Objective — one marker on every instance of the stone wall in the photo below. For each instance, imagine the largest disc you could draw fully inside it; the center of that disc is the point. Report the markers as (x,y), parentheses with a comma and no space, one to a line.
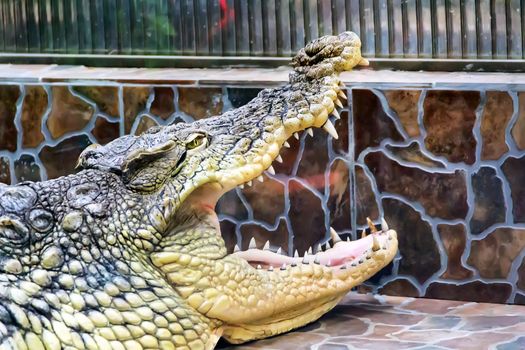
(445,167)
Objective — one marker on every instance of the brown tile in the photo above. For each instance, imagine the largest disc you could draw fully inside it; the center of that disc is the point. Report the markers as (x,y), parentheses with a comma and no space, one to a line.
(419,253)
(434,306)
(454,239)
(106,98)
(5,172)
(496,115)
(266,199)
(105,131)
(371,123)
(482,323)
(518,130)
(437,322)
(240,96)
(447,201)
(68,112)
(412,153)
(61,159)
(314,161)
(163,104)
(513,169)
(428,334)
(489,204)
(399,287)
(144,124)
(26,169)
(405,103)
(228,234)
(366,344)
(449,117)
(306,216)
(339,200)
(135,99)
(493,255)
(33,109)
(521,276)
(230,204)
(294,340)
(335,324)
(489,310)
(8,134)
(520,298)
(471,291)
(200,102)
(365,198)
(278,237)
(483,341)
(384,316)
(383,331)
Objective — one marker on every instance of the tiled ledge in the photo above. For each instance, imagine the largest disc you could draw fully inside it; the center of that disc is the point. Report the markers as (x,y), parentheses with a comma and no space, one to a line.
(366,322)
(253,76)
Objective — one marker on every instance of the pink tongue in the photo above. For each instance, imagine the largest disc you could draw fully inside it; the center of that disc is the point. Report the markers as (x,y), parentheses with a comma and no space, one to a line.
(341,253)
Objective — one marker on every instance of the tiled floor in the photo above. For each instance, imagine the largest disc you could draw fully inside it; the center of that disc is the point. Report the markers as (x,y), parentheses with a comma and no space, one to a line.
(383,322)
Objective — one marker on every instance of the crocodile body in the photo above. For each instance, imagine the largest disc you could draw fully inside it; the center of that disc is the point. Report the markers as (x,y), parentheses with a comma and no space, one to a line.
(127,253)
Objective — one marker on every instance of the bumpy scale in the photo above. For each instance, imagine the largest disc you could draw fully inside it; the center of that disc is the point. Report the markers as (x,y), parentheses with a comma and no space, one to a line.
(127,253)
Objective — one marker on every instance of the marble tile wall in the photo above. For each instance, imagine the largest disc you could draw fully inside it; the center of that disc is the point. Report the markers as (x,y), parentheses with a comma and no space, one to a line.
(446,168)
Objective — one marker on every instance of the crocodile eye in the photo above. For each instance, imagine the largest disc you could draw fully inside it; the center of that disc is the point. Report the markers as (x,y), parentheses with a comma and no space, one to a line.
(196,141)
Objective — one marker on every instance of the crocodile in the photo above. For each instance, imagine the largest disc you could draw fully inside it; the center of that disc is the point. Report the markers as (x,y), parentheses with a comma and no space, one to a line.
(127,252)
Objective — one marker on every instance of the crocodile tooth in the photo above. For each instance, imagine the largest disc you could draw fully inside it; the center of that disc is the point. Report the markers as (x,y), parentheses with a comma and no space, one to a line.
(270,268)
(296,254)
(371,225)
(279,251)
(294,264)
(249,183)
(317,260)
(279,159)
(336,114)
(329,128)
(343,267)
(296,135)
(266,245)
(363,233)
(241,186)
(384,225)
(338,103)
(252,244)
(375,243)
(305,258)
(342,85)
(319,248)
(236,249)
(260,178)
(310,132)
(283,267)
(271,170)
(259,267)
(328,246)
(310,250)
(342,94)
(329,263)
(286,144)
(348,238)
(335,237)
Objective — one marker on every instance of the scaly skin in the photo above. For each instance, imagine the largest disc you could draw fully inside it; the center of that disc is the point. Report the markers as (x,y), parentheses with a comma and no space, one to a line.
(127,253)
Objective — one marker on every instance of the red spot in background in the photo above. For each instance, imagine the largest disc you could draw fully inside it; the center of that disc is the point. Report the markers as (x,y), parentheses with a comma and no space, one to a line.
(227,14)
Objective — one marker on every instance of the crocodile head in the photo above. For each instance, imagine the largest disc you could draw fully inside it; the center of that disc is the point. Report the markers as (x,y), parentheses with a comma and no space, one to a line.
(146,203)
